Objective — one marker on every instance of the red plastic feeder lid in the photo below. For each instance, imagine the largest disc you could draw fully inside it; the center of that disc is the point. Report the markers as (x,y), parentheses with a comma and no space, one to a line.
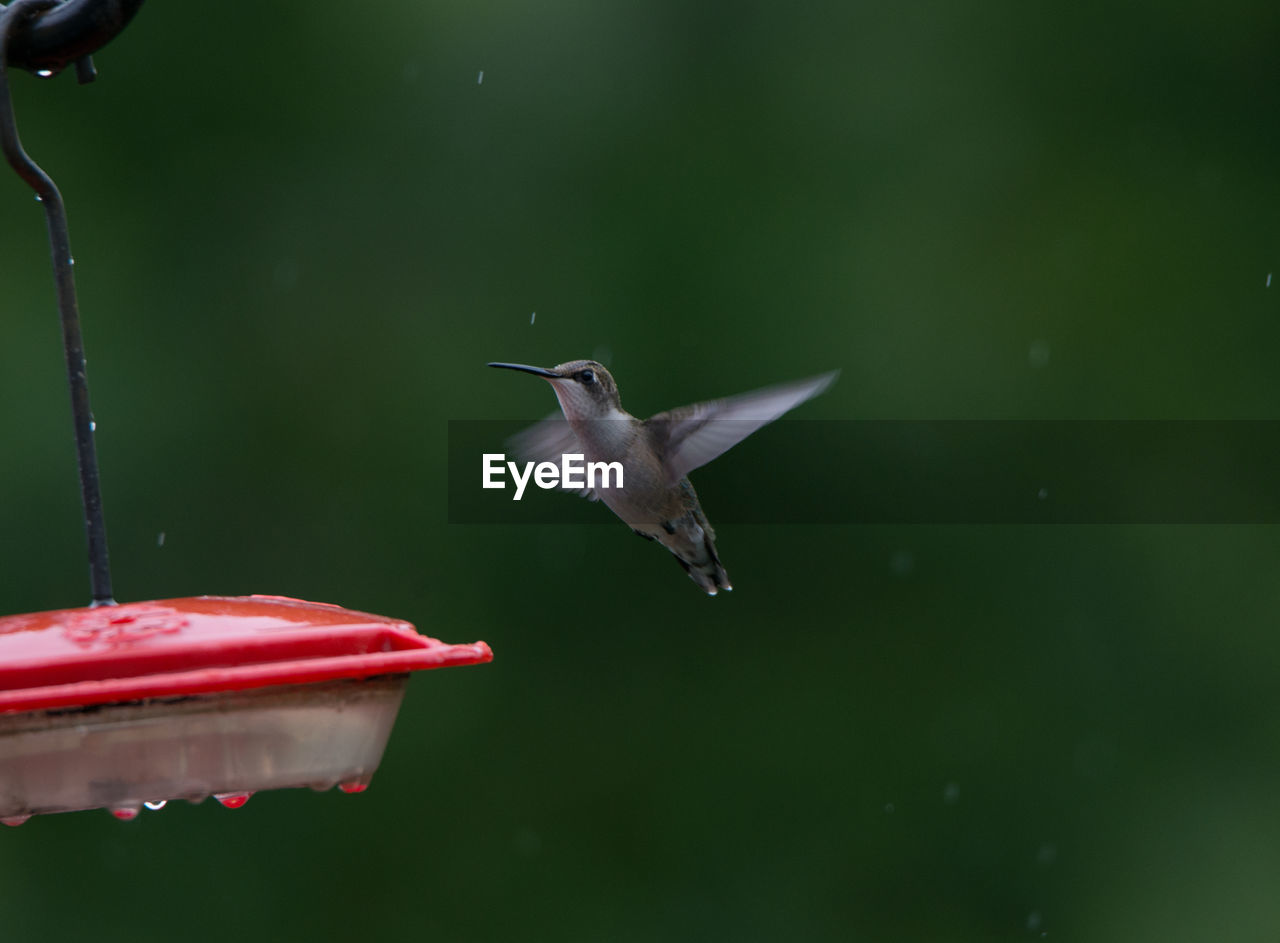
(202,645)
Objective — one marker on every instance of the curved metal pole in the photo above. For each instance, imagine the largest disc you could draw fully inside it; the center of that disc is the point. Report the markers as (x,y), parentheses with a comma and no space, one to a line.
(60,250)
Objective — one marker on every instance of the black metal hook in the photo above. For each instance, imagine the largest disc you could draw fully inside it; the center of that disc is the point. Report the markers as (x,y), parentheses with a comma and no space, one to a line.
(68,32)
(17,29)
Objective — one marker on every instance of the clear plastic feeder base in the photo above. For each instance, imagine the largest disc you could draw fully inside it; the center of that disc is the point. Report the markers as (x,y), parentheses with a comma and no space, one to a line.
(141,704)
(120,756)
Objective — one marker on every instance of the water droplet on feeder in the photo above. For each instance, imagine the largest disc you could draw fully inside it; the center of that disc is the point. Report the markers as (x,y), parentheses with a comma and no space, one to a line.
(45,73)
(232,800)
(359,784)
(14,820)
(39,198)
(157,805)
(126,811)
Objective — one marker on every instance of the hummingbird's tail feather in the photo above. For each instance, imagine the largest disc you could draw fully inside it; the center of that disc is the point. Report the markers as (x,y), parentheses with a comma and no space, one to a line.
(705,569)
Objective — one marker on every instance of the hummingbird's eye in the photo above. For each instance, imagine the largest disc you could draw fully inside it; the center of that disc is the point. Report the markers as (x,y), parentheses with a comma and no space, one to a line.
(587,376)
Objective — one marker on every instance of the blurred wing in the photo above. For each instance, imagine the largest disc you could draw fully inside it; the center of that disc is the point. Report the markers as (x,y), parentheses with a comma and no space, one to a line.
(546,441)
(691,436)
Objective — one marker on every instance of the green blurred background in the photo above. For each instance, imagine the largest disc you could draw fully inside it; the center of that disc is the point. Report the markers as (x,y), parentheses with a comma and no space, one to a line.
(302,229)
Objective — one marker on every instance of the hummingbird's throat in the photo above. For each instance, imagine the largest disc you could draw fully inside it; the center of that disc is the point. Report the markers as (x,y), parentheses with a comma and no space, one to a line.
(580,404)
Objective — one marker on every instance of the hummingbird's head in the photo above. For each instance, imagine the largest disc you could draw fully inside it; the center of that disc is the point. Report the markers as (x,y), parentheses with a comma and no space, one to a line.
(584,388)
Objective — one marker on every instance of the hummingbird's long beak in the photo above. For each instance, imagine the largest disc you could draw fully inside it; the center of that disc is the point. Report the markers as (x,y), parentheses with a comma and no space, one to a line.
(536,371)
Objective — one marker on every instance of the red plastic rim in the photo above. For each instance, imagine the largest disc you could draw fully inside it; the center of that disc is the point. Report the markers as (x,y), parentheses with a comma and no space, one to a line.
(167,648)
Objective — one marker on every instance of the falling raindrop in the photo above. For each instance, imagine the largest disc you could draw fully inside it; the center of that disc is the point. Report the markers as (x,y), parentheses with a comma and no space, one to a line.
(902,562)
(1038,353)
(527,842)
(285,274)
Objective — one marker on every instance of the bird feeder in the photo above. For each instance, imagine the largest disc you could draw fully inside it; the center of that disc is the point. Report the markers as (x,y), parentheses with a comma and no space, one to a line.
(137,704)
(121,706)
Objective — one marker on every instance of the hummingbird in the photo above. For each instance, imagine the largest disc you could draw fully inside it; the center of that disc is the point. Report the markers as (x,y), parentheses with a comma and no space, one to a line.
(656,500)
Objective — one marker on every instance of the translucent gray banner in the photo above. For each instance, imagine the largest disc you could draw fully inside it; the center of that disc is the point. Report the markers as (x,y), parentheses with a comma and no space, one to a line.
(931,472)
